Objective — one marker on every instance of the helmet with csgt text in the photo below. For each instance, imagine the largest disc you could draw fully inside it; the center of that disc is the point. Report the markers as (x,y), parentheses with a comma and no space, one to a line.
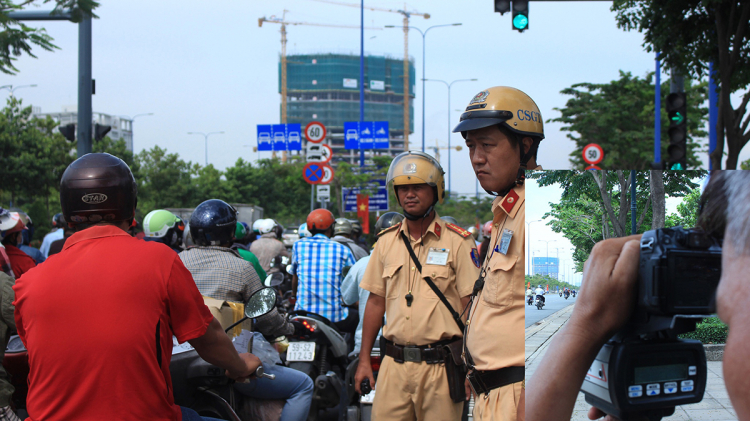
(505,106)
(417,168)
(98,187)
(213,223)
(320,220)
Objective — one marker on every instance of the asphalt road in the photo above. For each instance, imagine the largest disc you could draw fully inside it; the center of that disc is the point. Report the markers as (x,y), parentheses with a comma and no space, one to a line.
(554,303)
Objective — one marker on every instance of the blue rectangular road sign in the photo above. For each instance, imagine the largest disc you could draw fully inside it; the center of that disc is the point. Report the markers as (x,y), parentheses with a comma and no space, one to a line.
(366,135)
(378,201)
(278,137)
(351,135)
(294,137)
(380,129)
(264,137)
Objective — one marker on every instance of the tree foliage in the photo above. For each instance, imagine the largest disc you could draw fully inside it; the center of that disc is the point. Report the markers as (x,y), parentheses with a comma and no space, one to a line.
(619,116)
(687,211)
(690,34)
(17,39)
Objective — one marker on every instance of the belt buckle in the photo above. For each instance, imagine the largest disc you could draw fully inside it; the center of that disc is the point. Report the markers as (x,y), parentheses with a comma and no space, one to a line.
(412,354)
(475,384)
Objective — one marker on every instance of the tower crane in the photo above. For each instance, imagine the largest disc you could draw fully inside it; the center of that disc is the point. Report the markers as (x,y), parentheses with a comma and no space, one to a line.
(284,23)
(407,15)
(437,149)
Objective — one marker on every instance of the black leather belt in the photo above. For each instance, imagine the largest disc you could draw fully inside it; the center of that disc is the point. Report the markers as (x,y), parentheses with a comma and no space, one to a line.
(431,354)
(484,381)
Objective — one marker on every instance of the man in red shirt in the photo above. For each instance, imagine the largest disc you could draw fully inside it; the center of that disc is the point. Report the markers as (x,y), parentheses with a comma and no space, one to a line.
(98,317)
(11,226)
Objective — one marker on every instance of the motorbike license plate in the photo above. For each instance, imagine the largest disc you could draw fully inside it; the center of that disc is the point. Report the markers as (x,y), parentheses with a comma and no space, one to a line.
(300,351)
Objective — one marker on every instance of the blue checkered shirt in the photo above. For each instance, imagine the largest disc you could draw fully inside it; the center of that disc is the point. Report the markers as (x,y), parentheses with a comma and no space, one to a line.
(318,263)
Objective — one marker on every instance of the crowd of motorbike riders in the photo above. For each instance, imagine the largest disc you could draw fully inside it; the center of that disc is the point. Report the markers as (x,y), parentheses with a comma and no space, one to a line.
(101,302)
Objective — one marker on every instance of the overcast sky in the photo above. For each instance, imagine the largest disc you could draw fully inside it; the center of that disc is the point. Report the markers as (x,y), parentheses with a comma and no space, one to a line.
(201,66)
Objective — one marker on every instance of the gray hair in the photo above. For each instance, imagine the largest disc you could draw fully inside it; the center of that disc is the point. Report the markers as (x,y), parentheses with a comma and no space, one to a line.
(738,209)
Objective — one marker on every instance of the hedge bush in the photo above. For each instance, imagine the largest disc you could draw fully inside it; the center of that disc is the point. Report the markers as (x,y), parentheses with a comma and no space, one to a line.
(710,331)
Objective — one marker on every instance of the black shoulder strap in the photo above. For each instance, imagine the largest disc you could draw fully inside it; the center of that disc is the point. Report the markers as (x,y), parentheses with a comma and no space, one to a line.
(435,289)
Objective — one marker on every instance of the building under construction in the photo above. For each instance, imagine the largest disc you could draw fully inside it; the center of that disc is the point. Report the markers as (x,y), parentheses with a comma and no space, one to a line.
(325,88)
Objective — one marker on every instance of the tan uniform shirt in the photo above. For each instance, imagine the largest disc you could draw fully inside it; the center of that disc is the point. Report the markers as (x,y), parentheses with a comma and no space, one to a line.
(495,333)
(392,274)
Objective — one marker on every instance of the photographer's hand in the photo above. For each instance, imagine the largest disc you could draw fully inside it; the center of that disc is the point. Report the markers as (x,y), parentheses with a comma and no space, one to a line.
(604,305)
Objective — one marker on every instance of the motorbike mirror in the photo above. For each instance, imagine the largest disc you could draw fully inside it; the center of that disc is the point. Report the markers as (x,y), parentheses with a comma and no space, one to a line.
(288,268)
(260,303)
(274,279)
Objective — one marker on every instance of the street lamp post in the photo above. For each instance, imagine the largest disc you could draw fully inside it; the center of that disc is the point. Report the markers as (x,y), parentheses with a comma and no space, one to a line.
(449,120)
(205,136)
(424,34)
(528,229)
(132,132)
(12,89)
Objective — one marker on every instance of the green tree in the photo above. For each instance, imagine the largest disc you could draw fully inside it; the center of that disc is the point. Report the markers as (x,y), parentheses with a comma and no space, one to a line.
(164,180)
(745,165)
(687,211)
(690,34)
(619,116)
(17,39)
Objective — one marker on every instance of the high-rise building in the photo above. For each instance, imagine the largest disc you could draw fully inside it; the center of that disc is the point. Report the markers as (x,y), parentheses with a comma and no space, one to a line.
(325,88)
(546,266)
(122,128)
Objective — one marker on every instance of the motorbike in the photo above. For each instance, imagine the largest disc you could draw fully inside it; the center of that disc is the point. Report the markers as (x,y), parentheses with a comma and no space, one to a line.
(530,301)
(567,294)
(561,294)
(539,303)
(322,353)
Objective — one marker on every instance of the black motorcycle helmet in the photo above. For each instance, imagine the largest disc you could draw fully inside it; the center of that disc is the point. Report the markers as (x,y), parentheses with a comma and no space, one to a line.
(387,220)
(98,187)
(213,223)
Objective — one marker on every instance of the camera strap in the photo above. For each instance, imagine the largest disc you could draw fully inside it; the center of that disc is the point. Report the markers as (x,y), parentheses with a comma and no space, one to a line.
(432,285)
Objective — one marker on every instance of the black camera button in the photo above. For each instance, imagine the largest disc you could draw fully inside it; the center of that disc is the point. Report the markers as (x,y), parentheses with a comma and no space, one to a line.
(686,386)
(653,389)
(635,391)
(670,387)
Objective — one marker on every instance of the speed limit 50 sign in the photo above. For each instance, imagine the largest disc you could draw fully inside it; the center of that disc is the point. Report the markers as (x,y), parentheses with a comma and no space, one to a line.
(315,132)
(593,153)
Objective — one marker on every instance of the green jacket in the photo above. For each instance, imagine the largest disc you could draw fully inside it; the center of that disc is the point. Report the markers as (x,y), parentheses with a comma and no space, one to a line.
(250,257)
(7,327)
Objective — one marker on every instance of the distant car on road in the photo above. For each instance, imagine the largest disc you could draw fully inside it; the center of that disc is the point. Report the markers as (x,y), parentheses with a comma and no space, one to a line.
(289,237)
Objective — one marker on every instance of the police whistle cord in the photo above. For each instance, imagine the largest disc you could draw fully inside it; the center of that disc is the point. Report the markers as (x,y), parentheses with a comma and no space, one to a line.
(432,285)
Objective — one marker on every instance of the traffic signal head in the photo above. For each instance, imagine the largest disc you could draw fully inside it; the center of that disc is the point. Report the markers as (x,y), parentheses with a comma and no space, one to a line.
(100,131)
(69,131)
(502,6)
(520,15)
(676,106)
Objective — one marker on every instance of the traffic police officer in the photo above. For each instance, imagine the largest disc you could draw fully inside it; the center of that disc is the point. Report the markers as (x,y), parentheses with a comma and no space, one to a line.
(421,337)
(502,127)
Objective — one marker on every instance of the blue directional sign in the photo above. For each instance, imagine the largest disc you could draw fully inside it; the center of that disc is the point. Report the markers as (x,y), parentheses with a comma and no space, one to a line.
(380,134)
(378,201)
(366,135)
(294,137)
(264,137)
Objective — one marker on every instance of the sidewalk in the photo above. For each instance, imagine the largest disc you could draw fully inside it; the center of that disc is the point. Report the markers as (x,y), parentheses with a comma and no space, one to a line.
(714,407)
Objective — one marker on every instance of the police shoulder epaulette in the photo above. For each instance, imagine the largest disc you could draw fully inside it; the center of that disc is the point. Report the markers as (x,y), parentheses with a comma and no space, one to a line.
(391,228)
(458,230)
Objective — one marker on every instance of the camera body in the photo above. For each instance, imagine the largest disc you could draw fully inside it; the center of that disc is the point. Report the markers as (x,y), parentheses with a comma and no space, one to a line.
(645,370)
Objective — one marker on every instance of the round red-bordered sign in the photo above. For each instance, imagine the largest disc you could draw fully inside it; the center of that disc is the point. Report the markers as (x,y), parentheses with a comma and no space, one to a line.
(593,153)
(593,167)
(315,132)
(313,172)
(327,174)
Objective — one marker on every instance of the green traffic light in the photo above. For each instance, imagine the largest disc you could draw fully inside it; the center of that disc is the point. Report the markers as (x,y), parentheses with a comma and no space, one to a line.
(678,118)
(520,22)
(676,166)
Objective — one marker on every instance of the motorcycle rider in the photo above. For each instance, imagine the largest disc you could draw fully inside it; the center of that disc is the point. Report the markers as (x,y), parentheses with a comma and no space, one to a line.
(502,144)
(220,273)
(342,233)
(318,266)
(162,226)
(7,326)
(11,229)
(530,295)
(58,224)
(422,375)
(240,234)
(351,292)
(26,236)
(539,291)
(122,315)
(267,247)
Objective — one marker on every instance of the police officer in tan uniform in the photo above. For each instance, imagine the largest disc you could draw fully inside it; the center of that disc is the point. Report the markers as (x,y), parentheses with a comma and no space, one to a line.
(421,376)
(502,127)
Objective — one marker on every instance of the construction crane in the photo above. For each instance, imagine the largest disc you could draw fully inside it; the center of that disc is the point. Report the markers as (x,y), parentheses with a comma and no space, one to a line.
(407,15)
(284,23)
(437,149)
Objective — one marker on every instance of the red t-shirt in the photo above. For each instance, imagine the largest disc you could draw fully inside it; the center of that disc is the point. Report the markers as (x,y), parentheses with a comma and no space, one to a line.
(20,262)
(98,319)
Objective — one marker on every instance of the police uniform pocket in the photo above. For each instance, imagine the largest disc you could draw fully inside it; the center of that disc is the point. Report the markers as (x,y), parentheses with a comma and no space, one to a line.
(440,275)
(390,280)
(498,283)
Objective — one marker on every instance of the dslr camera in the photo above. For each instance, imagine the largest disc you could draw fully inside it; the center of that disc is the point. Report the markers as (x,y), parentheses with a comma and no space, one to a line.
(645,370)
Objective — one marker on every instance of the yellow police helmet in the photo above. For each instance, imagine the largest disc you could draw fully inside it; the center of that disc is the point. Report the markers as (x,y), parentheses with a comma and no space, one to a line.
(417,168)
(503,105)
